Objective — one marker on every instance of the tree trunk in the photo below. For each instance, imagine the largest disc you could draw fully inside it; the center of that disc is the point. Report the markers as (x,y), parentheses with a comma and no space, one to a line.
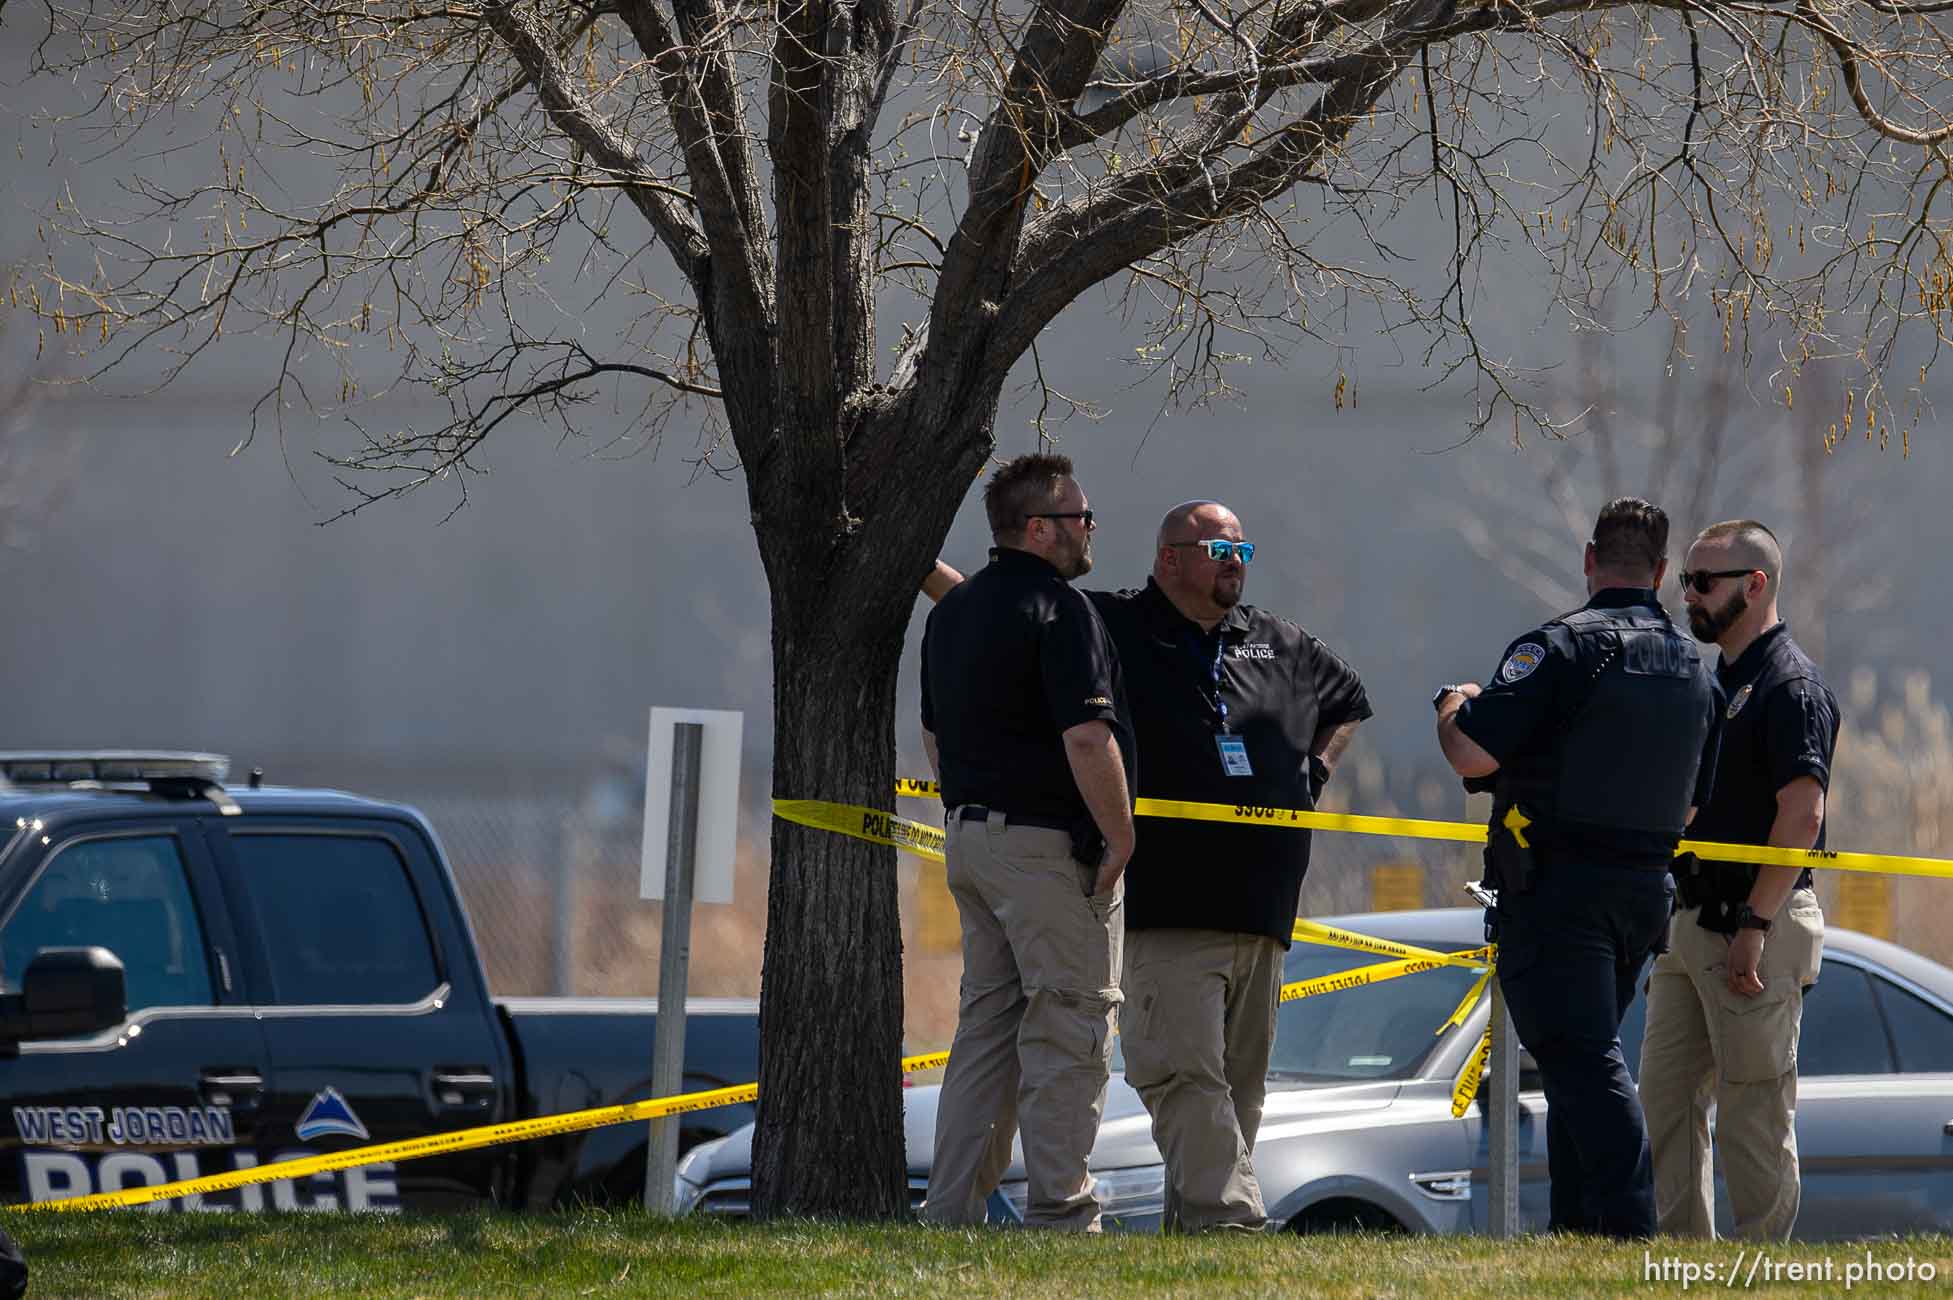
(844,574)
(829,1134)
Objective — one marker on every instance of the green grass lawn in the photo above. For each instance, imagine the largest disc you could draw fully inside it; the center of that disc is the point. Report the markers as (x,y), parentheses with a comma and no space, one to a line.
(621,1253)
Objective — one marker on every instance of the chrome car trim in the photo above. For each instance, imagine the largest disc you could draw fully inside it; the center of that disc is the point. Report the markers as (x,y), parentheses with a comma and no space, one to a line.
(1445,1185)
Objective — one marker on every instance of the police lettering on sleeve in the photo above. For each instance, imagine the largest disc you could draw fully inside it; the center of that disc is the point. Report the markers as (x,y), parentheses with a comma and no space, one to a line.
(1079,664)
(1521,695)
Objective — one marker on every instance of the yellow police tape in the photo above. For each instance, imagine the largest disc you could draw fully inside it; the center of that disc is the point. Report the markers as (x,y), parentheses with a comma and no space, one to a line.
(919,838)
(440,1144)
(1895,864)
(1407,959)
(1410,959)
(1466,1088)
(927,841)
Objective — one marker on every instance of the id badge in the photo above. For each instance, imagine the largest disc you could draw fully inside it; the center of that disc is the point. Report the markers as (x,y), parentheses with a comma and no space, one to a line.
(1234,755)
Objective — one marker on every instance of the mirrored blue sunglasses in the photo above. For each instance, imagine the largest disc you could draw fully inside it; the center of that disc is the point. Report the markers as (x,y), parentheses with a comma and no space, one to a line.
(1220,548)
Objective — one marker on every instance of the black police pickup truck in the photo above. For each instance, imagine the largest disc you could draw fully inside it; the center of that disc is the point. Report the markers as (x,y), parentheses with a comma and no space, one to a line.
(297,977)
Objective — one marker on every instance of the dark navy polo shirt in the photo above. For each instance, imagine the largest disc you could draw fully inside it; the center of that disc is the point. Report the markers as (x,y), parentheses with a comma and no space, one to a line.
(1279,685)
(1780,722)
(1011,659)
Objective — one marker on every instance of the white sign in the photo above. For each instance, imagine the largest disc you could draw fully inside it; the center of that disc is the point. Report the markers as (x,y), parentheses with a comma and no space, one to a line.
(718,802)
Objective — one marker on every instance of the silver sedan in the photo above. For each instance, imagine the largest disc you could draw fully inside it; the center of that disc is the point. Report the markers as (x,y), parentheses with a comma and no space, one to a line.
(1358,1130)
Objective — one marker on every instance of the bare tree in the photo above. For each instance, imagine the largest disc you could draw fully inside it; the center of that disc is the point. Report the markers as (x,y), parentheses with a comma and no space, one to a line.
(744,185)
(1704,451)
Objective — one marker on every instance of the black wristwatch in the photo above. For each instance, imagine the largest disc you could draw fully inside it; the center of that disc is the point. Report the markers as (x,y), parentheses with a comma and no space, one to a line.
(1747,919)
(1437,701)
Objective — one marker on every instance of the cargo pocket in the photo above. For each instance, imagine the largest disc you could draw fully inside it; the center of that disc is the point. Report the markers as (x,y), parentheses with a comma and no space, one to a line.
(1138,1038)
(1804,919)
(1759,1034)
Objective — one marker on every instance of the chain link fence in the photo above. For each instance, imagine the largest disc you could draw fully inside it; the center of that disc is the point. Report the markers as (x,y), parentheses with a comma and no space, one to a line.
(551,885)
(552,890)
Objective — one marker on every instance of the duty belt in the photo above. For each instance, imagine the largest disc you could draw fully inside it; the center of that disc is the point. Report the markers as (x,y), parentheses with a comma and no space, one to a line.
(976,812)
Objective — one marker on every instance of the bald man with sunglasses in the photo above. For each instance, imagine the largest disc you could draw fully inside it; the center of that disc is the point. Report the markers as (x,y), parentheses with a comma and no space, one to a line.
(1232,705)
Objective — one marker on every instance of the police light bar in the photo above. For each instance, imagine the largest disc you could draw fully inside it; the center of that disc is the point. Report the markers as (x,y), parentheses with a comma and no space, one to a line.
(61,767)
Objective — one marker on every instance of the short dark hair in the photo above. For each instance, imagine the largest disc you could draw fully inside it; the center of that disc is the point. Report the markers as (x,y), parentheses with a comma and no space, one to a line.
(1021,487)
(1749,542)
(1630,536)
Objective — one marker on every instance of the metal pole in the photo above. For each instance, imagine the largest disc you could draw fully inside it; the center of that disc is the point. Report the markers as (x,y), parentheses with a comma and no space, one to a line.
(1502,1122)
(569,861)
(674,959)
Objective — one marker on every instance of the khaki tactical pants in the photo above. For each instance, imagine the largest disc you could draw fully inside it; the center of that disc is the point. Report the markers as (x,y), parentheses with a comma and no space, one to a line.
(1197,1028)
(1705,1044)
(1033,1027)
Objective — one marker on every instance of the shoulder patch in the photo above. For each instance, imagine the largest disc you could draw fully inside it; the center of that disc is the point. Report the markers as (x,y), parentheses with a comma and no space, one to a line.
(1521,662)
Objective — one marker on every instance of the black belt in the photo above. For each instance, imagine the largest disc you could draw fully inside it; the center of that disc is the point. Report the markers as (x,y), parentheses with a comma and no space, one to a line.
(976,812)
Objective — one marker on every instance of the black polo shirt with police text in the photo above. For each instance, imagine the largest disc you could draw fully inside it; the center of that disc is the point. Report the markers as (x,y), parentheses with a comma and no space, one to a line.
(1780,723)
(1011,659)
(1280,686)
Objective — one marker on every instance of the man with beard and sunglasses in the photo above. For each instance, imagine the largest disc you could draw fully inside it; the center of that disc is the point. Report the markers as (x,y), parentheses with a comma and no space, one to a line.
(1231,705)
(1024,720)
(1726,1001)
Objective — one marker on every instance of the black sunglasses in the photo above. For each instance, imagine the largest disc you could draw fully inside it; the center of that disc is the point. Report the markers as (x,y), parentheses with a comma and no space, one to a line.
(1084,516)
(1703,579)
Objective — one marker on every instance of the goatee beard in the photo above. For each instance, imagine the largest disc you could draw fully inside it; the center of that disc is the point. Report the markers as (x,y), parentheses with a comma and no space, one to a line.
(1709,627)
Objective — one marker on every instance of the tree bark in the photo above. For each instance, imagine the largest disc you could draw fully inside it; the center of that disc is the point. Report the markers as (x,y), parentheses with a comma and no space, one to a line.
(829,1137)
(828,1141)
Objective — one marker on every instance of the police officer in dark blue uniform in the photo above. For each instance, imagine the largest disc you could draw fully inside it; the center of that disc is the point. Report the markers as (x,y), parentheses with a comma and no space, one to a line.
(1598,739)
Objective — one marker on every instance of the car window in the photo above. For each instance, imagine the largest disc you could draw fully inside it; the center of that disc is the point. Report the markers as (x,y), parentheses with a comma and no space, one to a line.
(1376,1031)
(1842,1032)
(340,922)
(1922,1032)
(129,894)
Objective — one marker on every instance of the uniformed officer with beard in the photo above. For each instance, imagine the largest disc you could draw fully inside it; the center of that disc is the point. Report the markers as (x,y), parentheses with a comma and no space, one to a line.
(1726,1001)
(1598,734)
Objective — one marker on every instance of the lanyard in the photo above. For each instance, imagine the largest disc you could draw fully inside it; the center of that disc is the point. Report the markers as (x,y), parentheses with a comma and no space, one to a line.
(1220,704)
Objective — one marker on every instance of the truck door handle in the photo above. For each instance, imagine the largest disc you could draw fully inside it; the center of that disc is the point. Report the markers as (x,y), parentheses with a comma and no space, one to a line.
(464,1088)
(232,1087)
